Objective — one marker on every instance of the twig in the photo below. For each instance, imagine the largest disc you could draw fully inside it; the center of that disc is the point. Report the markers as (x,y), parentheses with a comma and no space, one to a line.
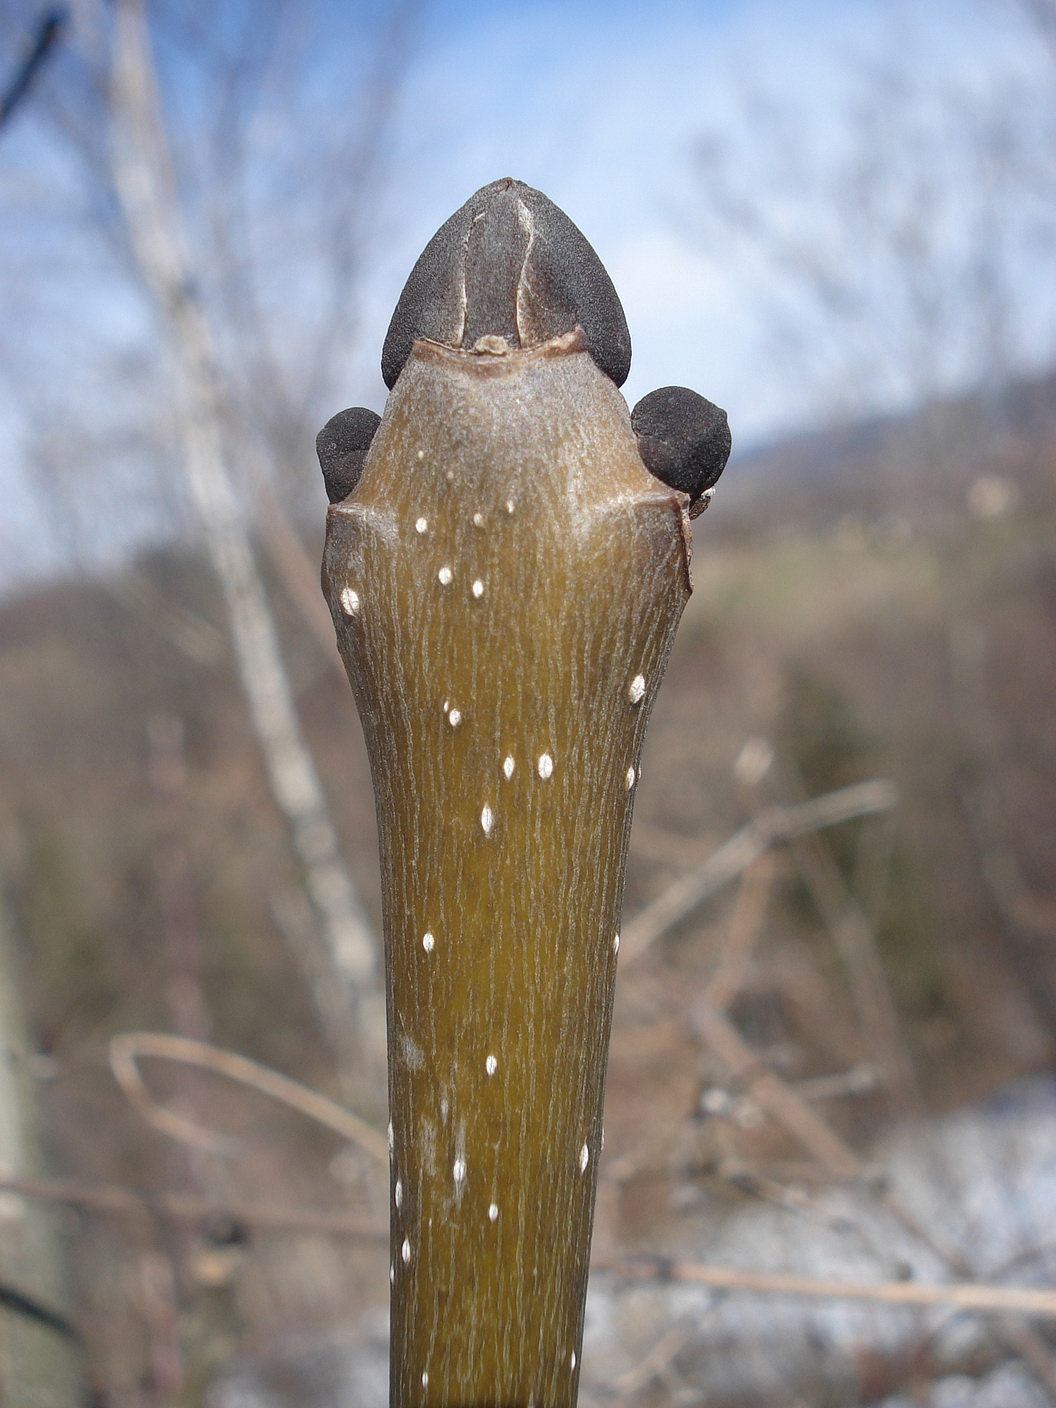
(656,1362)
(1032,1348)
(854,938)
(778,1171)
(1029,918)
(293,916)
(745,928)
(668,848)
(871,882)
(859,1080)
(773,1094)
(127,1048)
(807,1127)
(790,1110)
(994,1300)
(113,1200)
(181,942)
(52,23)
(157,1305)
(770,826)
(300,576)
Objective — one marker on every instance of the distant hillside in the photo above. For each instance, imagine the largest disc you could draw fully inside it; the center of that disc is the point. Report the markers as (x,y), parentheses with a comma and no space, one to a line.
(909,464)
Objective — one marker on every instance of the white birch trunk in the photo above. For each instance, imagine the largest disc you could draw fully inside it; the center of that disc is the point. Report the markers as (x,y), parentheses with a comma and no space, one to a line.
(142,172)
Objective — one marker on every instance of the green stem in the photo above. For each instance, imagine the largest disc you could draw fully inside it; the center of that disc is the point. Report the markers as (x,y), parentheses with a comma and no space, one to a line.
(506,580)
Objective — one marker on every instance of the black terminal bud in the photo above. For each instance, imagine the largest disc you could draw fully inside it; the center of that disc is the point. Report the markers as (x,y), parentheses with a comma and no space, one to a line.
(342,446)
(682,439)
(509,264)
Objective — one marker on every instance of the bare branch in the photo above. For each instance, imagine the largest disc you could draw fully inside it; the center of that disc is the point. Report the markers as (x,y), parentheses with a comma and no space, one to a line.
(745,928)
(115,1200)
(768,828)
(773,1094)
(854,939)
(48,35)
(988,1300)
(127,1049)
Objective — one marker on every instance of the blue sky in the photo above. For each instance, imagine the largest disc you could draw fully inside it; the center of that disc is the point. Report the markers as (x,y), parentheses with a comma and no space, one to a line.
(598,105)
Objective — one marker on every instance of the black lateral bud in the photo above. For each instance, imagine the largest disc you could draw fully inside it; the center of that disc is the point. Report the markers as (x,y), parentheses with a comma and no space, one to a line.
(342,447)
(682,439)
(509,264)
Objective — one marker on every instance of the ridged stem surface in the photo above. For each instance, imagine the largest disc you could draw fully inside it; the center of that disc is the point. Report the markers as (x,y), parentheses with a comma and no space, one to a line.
(506,580)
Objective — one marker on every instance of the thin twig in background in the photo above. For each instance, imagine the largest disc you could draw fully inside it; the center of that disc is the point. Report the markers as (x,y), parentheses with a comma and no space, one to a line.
(52,23)
(742,936)
(656,1363)
(807,1127)
(157,1305)
(781,1172)
(297,924)
(773,1094)
(300,576)
(859,1080)
(182,984)
(768,1090)
(1028,1343)
(871,882)
(771,826)
(852,933)
(127,1049)
(854,940)
(190,633)
(181,942)
(992,1300)
(668,848)
(114,1200)
(1030,918)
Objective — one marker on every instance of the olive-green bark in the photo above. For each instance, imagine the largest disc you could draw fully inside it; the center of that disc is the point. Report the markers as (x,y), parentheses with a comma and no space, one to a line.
(505,579)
